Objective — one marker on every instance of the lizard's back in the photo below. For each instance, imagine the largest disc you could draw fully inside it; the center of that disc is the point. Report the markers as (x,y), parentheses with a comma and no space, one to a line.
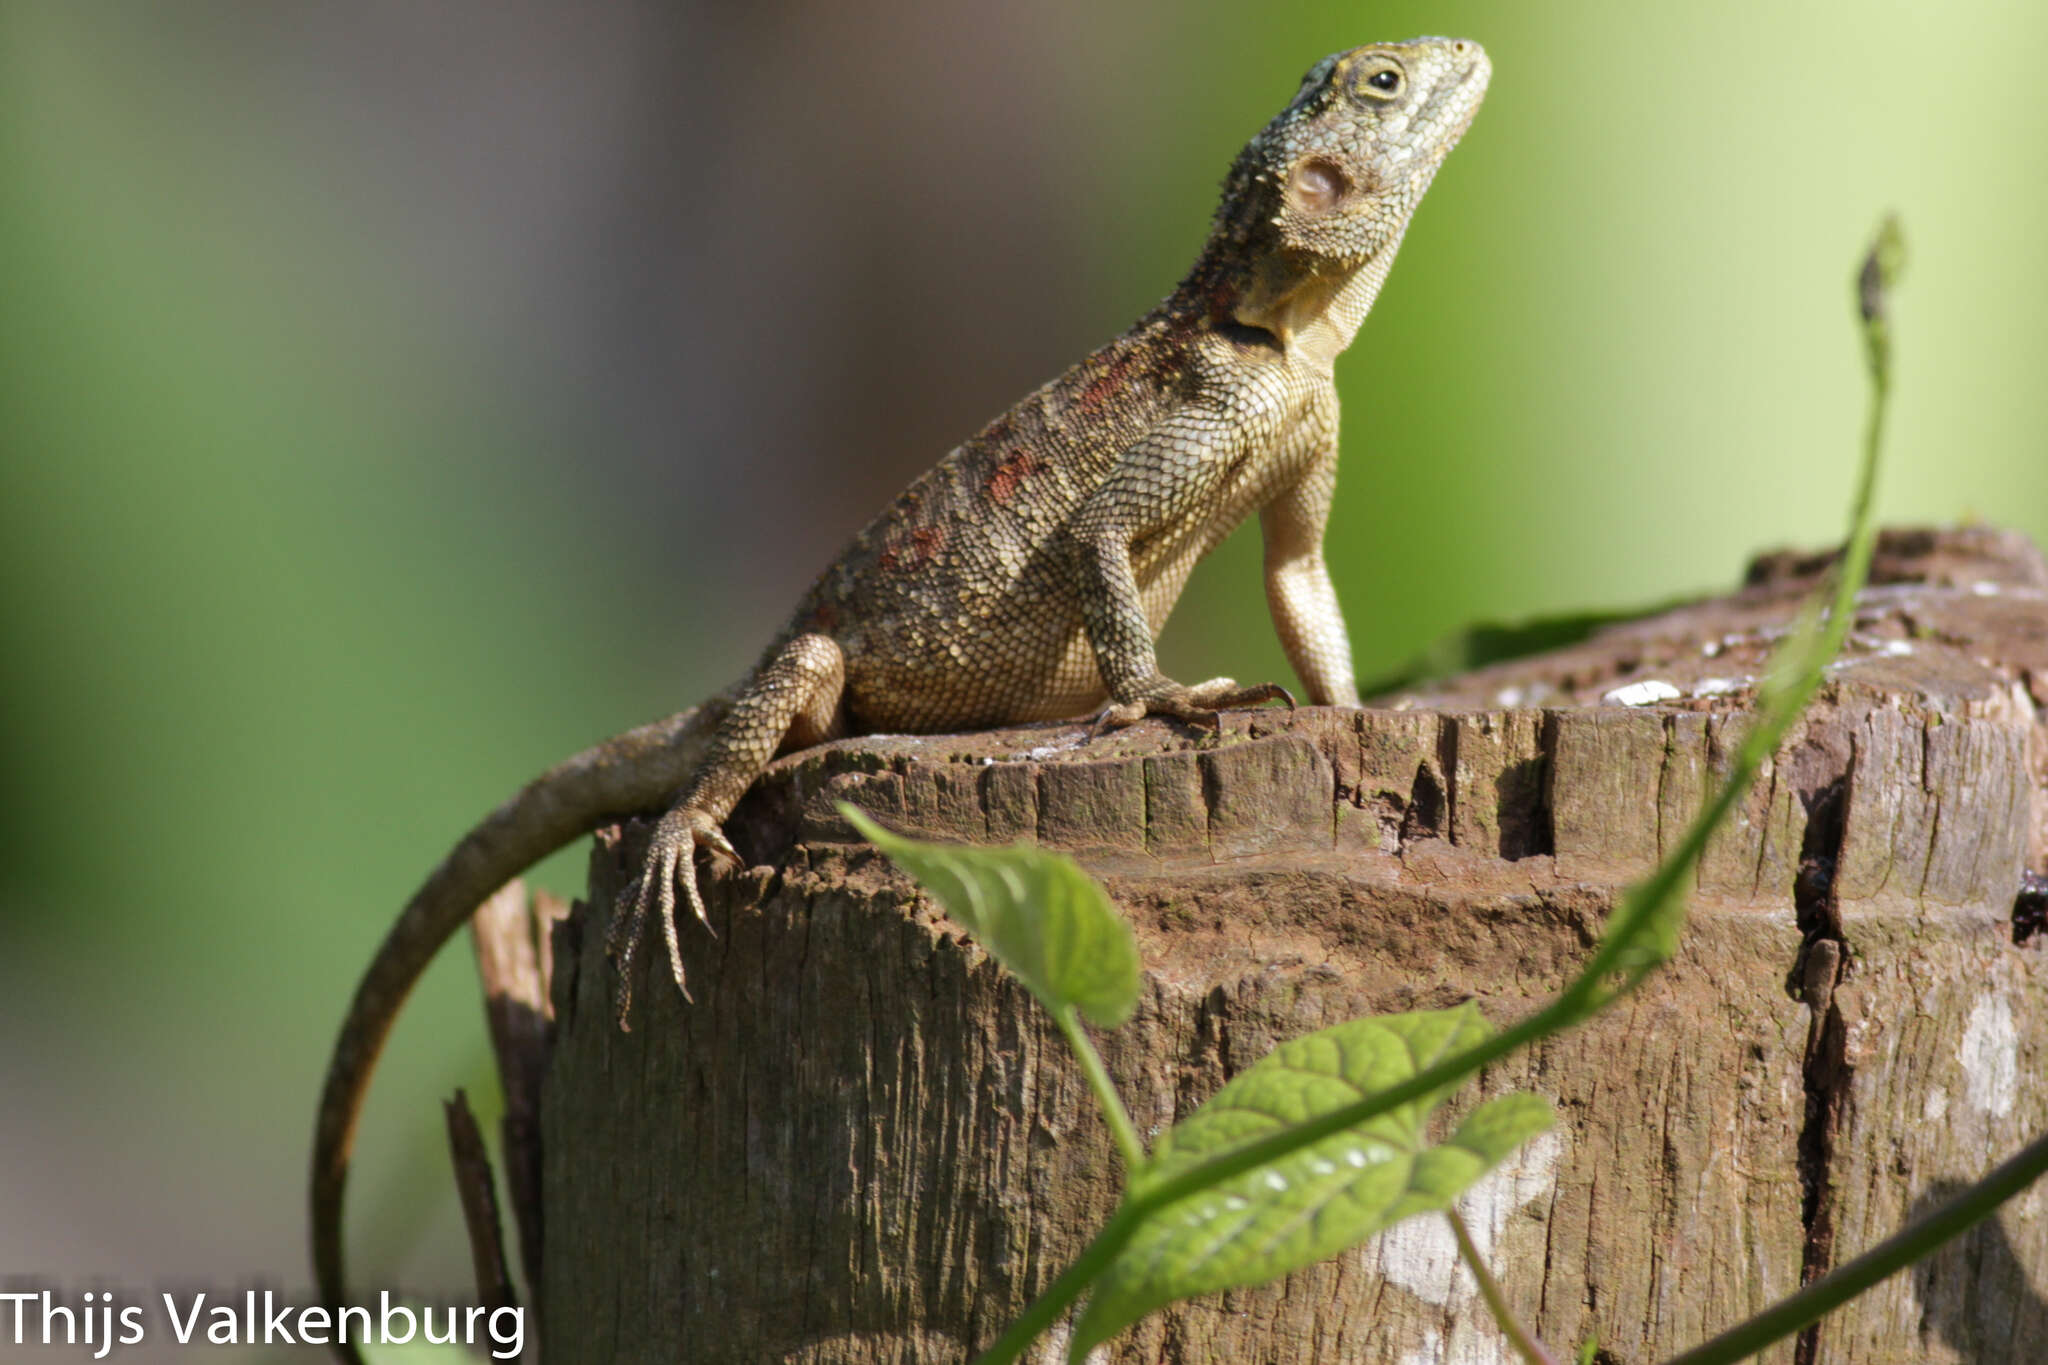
(951,607)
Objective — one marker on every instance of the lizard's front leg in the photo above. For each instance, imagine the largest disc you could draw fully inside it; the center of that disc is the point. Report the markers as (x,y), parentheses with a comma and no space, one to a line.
(1163,485)
(1298,588)
(791,702)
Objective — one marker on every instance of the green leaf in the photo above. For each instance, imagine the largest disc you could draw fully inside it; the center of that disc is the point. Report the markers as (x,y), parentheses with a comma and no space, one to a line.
(1036,912)
(1315,1202)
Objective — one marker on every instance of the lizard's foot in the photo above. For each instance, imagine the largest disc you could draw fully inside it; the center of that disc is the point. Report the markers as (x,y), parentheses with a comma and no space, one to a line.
(1196,706)
(671,862)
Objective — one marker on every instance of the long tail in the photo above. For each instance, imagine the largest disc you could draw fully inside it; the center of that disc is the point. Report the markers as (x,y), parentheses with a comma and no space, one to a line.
(630,773)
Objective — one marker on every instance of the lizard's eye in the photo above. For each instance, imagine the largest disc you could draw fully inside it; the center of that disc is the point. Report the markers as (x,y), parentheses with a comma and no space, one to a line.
(1383,83)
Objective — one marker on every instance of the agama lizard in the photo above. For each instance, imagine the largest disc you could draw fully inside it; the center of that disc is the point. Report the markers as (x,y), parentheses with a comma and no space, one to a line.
(1027,575)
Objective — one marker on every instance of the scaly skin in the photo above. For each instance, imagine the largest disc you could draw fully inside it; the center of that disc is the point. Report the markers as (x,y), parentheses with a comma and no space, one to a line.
(1028,574)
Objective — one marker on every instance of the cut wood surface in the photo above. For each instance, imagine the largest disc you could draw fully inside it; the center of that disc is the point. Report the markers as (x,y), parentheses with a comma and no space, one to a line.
(863,1143)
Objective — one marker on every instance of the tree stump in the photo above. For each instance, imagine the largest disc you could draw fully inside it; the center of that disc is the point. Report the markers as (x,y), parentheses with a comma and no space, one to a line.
(864,1143)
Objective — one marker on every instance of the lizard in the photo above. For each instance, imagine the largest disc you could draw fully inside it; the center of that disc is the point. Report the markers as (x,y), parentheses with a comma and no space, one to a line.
(1028,574)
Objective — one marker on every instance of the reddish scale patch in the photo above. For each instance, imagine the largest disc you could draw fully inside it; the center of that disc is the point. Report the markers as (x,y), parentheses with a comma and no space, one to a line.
(1222,300)
(914,551)
(824,619)
(1110,381)
(1005,479)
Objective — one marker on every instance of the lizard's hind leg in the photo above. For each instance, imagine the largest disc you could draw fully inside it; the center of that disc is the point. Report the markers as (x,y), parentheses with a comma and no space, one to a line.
(794,700)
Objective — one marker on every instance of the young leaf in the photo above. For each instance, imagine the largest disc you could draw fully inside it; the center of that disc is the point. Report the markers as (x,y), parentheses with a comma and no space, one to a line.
(1315,1202)
(1037,913)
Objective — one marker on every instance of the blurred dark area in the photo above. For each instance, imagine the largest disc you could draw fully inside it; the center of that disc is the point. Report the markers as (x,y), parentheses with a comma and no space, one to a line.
(1977,1297)
(394,398)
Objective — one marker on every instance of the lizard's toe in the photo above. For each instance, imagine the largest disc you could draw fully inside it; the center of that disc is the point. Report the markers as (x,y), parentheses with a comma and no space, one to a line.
(622,942)
(1223,694)
(671,863)
(1195,706)
(686,873)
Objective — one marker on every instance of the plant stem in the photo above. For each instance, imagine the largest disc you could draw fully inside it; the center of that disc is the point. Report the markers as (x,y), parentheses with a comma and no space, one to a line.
(1113,1112)
(1047,1307)
(1520,1337)
(1887,1258)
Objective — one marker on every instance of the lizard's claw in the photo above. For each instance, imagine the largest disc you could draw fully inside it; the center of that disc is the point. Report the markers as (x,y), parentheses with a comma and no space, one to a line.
(713,838)
(1197,706)
(1116,716)
(1256,695)
(671,862)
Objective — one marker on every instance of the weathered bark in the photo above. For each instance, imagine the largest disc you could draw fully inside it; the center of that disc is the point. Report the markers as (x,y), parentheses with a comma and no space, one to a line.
(864,1143)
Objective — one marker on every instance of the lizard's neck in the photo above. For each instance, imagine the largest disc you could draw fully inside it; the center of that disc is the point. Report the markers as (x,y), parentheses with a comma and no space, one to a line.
(1315,316)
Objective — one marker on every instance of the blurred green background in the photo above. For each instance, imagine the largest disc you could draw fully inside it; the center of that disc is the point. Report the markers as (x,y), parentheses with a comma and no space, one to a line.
(394,398)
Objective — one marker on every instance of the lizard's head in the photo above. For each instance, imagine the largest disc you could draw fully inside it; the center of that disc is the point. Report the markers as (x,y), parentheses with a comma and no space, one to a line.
(1330,184)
